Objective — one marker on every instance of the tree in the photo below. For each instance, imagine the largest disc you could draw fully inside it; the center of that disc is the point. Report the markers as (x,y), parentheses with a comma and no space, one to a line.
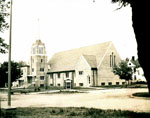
(3,24)
(123,71)
(15,72)
(141,25)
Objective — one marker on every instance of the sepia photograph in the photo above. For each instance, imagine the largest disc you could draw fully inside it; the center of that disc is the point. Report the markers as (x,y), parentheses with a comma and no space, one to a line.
(74,59)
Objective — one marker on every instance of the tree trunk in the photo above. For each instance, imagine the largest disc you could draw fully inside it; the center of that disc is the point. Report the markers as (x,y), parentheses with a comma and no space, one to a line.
(141,19)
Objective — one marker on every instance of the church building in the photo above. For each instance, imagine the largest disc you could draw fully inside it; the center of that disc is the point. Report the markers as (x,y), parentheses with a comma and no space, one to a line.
(82,67)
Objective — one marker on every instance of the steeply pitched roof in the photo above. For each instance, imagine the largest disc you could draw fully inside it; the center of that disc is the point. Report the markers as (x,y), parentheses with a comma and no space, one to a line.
(91,60)
(65,61)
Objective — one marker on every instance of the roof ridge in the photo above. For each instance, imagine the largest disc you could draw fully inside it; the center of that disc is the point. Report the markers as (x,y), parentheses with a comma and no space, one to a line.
(83,47)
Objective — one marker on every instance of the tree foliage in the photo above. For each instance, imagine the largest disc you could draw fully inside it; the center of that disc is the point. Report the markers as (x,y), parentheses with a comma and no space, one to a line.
(3,24)
(123,71)
(140,24)
(15,72)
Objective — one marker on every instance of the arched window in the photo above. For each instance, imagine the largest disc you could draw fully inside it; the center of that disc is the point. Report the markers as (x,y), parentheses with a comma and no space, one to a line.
(112,60)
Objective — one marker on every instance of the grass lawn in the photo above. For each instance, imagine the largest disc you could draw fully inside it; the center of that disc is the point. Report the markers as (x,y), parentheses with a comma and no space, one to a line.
(69,112)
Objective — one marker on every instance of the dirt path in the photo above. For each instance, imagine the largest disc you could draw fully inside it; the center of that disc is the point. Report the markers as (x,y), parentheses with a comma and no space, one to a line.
(104,99)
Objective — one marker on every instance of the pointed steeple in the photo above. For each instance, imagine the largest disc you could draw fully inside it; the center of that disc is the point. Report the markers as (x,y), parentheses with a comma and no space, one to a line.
(38,28)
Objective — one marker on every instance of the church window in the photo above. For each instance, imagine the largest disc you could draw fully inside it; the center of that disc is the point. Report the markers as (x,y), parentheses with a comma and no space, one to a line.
(32,69)
(89,80)
(80,84)
(109,83)
(41,77)
(41,50)
(34,50)
(117,83)
(103,83)
(58,75)
(67,74)
(114,60)
(110,60)
(80,72)
(42,69)
(51,76)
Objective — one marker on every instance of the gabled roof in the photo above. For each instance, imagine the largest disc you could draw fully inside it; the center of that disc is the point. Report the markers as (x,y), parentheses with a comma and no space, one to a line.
(66,60)
(91,60)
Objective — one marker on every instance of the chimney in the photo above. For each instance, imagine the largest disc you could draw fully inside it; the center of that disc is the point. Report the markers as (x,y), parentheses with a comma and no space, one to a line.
(127,59)
(133,58)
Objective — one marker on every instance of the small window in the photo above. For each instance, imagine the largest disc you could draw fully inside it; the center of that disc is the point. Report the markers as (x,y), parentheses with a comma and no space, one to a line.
(103,83)
(109,83)
(80,72)
(41,60)
(42,69)
(41,85)
(58,84)
(58,75)
(67,74)
(134,77)
(123,83)
(41,77)
(80,84)
(32,69)
(34,50)
(89,80)
(51,84)
(51,76)
(41,50)
(117,83)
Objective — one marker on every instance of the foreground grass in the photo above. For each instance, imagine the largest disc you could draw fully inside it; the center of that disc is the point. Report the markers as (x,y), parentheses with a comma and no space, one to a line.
(69,112)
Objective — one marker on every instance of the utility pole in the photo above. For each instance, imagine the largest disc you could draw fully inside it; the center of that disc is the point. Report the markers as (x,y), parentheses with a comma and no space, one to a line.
(9,57)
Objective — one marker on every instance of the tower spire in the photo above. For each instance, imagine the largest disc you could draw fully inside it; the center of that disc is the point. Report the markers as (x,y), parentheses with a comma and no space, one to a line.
(38,29)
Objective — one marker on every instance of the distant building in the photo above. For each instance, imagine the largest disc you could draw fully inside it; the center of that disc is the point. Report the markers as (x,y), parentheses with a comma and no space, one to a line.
(138,73)
(81,67)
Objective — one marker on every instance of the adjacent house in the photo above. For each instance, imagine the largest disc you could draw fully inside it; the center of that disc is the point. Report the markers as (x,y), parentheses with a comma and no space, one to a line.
(137,73)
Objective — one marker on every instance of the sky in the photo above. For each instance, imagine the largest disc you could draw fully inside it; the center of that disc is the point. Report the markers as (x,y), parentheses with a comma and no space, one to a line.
(69,24)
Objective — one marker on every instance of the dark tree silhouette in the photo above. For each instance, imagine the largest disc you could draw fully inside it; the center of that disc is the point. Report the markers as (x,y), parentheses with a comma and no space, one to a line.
(3,24)
(16,72)
(123,71)
(141,21)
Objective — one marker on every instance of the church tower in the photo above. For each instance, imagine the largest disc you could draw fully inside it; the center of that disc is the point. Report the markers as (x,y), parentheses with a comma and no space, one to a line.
(38,64)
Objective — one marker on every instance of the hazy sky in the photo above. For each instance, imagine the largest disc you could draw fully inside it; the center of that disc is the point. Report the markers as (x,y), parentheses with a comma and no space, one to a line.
(69,24)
